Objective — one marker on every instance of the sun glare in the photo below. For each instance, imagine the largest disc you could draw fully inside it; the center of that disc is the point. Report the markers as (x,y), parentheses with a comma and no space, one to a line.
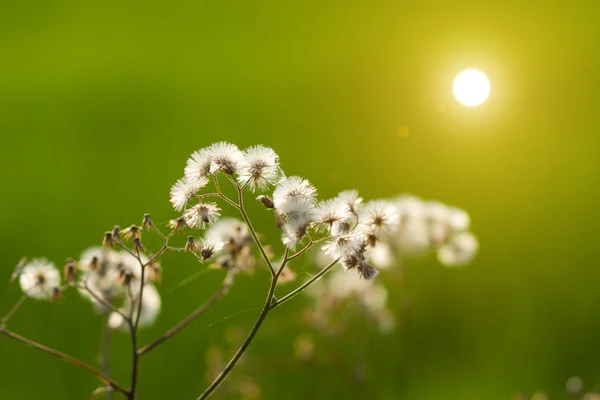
(471,88)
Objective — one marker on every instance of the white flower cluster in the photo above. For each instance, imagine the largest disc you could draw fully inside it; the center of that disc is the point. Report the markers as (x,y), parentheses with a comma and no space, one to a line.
(427,226)
(115,278)
(39,279)
(394,230)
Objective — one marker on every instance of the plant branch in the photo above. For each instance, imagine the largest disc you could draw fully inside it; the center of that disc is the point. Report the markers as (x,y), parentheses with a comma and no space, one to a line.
(65,357)
(223,290)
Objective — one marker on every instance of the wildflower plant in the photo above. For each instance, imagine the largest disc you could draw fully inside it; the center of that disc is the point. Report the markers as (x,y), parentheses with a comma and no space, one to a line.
(120,278)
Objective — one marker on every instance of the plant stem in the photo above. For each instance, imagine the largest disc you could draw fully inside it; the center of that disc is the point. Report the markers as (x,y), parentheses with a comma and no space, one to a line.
(266,308)
(65,357)
(253,232)
(193,316)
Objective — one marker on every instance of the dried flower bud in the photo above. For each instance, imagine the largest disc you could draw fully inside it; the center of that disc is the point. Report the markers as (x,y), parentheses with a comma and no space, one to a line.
(116,232)
(367,271)
(56,294)
(190,245)
(70,272)
(177,224)
(133,232)
(266,201)
(108,240)
(18,269)
(147,222)
(279,221)
(138,247)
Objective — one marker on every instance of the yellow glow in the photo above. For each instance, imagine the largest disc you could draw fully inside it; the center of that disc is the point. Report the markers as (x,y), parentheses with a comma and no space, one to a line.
(471,87)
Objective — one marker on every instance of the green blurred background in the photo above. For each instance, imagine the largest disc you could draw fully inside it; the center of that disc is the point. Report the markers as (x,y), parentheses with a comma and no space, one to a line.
(102,102)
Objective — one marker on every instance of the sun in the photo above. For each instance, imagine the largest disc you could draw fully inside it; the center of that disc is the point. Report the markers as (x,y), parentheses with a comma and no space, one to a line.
(471,88)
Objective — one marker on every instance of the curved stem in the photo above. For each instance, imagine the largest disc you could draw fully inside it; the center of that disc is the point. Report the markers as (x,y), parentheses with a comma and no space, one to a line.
(244,346)
(193,316)
(252,231)
(305,285)
(65,357)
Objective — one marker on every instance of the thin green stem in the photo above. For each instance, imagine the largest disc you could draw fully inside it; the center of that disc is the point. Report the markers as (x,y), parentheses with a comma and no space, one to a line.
(65,357)
(12,311)
(252,231)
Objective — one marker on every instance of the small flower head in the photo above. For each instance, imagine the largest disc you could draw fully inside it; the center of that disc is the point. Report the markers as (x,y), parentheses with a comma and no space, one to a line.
(266,201)
(70,271)
(208,249)
(351,198)
(147,222)
(108,240)
(346,245)
(138,246)
(226,157)
(133,232)
(333,215)
(294,196)
(40,279)
(459,250)
(294,230)
(380,215)
(260,167)
(367,271)
(190,244)
(184,190)
(198,166)
(18,269)
(201,215)
(178,224)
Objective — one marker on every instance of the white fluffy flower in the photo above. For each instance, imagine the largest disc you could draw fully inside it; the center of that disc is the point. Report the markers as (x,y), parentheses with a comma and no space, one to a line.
(225,157)
(201,215)
(294,230)
(351,198)
(260,167)
(184,190)
(459,250)
(294,196)
(198,165)
(228,230)
(380,215)
(40,279)
(334,215)
(150,310)
(346,245)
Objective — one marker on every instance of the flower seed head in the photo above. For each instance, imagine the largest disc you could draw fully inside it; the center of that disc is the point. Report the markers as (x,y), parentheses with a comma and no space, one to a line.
(147,222)
(184,190)
(133,232)
(202,214)
(39,279)
(108,240)
(225,157)
(190,245)
(260,167)
(138,247)
(198,166)
(70,271)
